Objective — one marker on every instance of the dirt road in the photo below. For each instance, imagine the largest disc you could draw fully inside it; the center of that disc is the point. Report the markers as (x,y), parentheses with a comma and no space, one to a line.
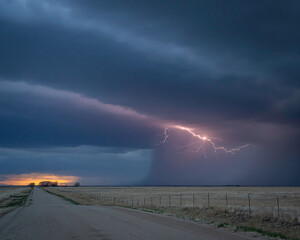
(46,217)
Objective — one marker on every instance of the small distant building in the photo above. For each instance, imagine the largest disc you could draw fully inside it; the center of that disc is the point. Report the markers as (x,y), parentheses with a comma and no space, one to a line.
(77,184)
(31,184)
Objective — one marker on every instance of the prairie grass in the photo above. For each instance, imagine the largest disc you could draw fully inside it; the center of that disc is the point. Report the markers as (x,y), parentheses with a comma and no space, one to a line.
(222,206)
(14,197)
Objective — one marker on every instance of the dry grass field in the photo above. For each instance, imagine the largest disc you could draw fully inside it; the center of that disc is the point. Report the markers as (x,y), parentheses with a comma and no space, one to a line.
(272,209)
(262,199)
(8,191)
(10,197)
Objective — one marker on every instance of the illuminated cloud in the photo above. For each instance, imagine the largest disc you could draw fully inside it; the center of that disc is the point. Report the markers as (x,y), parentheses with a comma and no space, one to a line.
(25,179)
(94,165)
(68,97)
(204,139)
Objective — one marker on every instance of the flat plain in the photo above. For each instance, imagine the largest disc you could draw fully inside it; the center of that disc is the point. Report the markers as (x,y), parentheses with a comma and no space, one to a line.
(262,199)
(49,217)
(274,211)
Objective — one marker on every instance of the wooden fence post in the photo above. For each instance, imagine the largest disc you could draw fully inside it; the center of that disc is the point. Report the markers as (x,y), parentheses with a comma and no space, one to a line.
(208,200)
(249,203)
(278,211)
(180,199)
(193,200)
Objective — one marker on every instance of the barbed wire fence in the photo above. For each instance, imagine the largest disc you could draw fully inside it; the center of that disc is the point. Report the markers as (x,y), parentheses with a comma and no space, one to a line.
(279,205)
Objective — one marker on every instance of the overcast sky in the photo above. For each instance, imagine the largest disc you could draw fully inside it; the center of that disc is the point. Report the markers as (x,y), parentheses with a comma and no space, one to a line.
(95,89)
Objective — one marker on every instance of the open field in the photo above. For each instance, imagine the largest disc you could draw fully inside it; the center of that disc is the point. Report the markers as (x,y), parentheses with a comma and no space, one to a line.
(262,199)
(272,209)
(49,217)
(10,197)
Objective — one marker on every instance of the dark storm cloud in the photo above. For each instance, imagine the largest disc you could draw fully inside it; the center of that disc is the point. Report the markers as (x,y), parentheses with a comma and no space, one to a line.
(257,36)
(34,115)
(227,68)
(215,55)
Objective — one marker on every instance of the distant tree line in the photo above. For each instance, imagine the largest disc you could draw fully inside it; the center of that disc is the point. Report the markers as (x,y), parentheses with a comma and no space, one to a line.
(48,184)
(51,184)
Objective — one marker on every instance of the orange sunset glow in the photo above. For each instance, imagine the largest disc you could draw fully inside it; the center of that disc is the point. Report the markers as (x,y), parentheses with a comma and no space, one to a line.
(25,179)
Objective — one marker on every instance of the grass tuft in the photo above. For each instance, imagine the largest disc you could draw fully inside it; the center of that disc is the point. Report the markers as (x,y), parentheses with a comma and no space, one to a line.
(264,233)
(222,225)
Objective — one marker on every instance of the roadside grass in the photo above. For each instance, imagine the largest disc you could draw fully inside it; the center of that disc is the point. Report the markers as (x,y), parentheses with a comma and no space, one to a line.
(264,225)
(182,214)
(63,197)
(16,200)
(264,233)
(222,225)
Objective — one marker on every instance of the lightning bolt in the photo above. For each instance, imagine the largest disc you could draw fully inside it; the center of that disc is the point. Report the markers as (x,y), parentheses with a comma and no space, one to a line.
(165,136)
(202,140)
